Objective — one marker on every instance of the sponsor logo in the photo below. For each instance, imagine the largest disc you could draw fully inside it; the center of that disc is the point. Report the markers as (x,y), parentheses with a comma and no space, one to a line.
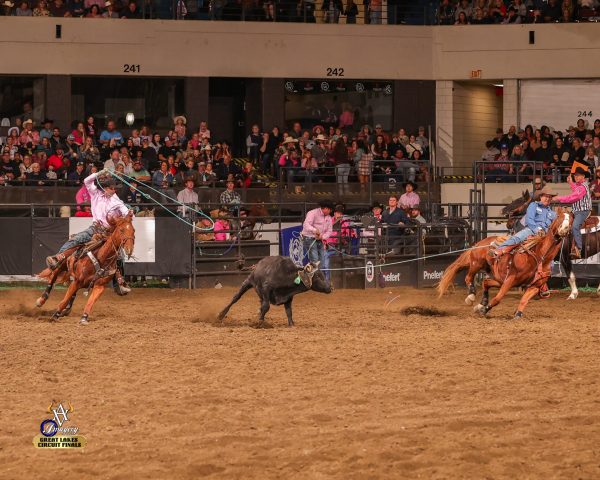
(55,432)
(369,271)
(434,275)
(392,277)
(296,251)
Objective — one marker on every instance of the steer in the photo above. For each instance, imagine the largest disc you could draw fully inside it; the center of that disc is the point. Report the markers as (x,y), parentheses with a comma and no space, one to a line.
(276,281)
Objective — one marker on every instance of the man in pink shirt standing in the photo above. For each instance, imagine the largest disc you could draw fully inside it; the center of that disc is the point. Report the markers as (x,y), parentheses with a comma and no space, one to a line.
(316,229)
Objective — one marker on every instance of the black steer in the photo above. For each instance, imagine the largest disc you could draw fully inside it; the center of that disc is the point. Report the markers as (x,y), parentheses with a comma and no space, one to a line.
(276,281)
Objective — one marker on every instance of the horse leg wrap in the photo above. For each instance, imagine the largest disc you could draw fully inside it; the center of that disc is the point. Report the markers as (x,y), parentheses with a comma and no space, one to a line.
(518,315)
(84,319)
(55,316)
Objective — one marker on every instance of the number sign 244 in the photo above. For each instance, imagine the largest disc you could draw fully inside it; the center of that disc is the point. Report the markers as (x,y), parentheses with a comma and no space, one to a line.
(583,113)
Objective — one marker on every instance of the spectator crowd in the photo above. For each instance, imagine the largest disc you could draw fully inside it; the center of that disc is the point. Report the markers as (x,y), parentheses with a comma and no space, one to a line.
(480,12)
(520,155)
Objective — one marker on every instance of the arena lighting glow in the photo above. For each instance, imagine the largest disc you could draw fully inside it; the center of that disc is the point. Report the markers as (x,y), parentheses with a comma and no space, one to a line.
(498,84)
(129,119)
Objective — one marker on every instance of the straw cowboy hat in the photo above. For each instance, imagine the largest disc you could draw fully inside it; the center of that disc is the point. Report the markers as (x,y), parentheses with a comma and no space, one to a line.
(321,138)
(8,3)
(547,190)
(180,117)
(29,120)
(289,140)
(208,147)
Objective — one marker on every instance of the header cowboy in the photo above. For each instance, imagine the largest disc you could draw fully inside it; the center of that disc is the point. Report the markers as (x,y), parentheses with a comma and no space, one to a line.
(538,219)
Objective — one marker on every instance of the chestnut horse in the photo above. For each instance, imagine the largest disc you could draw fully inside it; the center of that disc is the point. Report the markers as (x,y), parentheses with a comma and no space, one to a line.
(83,273)
(476,259)
(530,268)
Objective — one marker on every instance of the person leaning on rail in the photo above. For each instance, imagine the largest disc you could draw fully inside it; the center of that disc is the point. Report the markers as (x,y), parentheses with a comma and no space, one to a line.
(537,220)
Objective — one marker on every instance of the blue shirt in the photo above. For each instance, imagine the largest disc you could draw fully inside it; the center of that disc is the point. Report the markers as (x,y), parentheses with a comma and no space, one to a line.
(107,136)
(539,216)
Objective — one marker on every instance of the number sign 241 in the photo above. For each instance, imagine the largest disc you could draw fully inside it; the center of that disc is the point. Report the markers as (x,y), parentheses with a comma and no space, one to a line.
(131,68)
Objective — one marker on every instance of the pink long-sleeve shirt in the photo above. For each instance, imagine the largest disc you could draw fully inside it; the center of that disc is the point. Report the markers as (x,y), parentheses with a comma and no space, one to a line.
(103,206)
(316,220)
(577,193)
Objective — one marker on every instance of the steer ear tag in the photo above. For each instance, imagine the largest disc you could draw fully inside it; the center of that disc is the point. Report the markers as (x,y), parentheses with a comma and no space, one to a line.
(297,280)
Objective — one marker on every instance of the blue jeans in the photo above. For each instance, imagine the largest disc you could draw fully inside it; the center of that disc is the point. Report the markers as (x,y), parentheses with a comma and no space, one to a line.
(518,237)
(342,172)
(315,251)
(78,239)
(579,218)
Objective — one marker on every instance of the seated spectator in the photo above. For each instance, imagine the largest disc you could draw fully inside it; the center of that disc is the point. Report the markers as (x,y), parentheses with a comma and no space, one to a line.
(230,197)
(480,17)
(226,168)
(58,162)
(206,175)
(46,132)
(36,177)
(497,11)
(464,7)
(77,8)
(23,10)
(29,136)
(222,228)
(162,178)
(413,145)
(462,19)
(552,12)
(139,172)
(490,152)
(82,198)
(188,197)
(109,11)
(94,12)
(415,215)
(410,198)
(512,16)
(111,134)
(113,161)
(77,176)
(595,185)
(203,131)
(59,9)
(179,127)
(248,175)
(446,13)
(25,167)
(9,166)
(131,12)
(88,152)
(395,218)
(500,169)
(56,138)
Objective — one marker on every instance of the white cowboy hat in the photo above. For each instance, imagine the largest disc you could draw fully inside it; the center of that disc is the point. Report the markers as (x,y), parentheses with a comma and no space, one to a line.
(107,4)
(289,140)
(8,3)
(321,138)
(208,147)
(29,120)
(180,117)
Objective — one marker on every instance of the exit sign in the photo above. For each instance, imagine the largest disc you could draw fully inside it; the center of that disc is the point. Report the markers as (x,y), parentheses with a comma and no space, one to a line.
(475,73)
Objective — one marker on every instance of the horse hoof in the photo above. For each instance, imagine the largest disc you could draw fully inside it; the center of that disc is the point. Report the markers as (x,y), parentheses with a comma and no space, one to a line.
(480,309)
(470,299)
(573,296)
(518,315)
(84,321)
(39,302)
(65,313)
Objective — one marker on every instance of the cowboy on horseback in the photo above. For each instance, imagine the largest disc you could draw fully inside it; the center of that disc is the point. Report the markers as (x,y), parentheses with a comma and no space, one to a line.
(105,204)
(538,218)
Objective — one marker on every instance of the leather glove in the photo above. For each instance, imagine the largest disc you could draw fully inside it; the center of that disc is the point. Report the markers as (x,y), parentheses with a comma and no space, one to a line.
(102,172)
(541,233)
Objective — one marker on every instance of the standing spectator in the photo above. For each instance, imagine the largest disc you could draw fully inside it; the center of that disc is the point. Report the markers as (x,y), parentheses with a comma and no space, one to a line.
(203,131)
(46,132)
(222,228)
(180,127)
(543,156)
(581,205)
(90,129)
(332,9)
(446,13)
(351,12)
(110,134)
(422,140)
(490,152)
(342,167)
(253,141)
(511,138)
(56,138)
(395,218)
(500,170)
(316,229)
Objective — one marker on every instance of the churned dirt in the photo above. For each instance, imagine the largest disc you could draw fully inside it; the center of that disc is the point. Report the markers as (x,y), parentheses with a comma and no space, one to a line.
(356,390)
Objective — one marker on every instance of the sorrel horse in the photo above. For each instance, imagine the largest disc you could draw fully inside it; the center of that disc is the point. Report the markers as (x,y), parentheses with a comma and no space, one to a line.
(477,259)
(590,238)
(83,273)
(529,269)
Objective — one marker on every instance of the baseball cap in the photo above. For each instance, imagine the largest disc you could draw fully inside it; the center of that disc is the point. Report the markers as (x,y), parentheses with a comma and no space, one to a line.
(504,146)
(378,125)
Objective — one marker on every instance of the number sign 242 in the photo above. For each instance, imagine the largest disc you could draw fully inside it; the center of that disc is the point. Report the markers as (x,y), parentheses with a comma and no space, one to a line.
(131,68)
(583,113)
(335,72)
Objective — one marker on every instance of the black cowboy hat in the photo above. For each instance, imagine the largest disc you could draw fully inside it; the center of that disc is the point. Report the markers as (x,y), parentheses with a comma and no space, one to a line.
(414,185)
(326,204)
(376,204)
(340,207)
(581,171)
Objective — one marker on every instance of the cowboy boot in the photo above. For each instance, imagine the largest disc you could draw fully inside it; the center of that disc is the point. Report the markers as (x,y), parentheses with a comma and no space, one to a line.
(53,261)
(120,287)
(498,252)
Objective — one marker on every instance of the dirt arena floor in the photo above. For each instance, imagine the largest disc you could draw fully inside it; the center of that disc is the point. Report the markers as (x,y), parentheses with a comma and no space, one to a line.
(356,390)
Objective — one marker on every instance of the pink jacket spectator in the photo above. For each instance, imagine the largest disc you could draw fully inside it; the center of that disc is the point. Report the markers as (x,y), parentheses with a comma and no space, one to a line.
(220,226)
(577,193)
(316,220)
(345,230)
(82,196)
(410,200)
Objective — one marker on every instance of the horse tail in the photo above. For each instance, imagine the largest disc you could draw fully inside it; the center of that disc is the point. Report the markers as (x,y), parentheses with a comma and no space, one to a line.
(459,264)
(46,274)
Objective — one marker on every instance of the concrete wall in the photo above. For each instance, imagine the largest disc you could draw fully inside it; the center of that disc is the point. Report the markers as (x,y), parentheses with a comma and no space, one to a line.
(279,50)
(476,113)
